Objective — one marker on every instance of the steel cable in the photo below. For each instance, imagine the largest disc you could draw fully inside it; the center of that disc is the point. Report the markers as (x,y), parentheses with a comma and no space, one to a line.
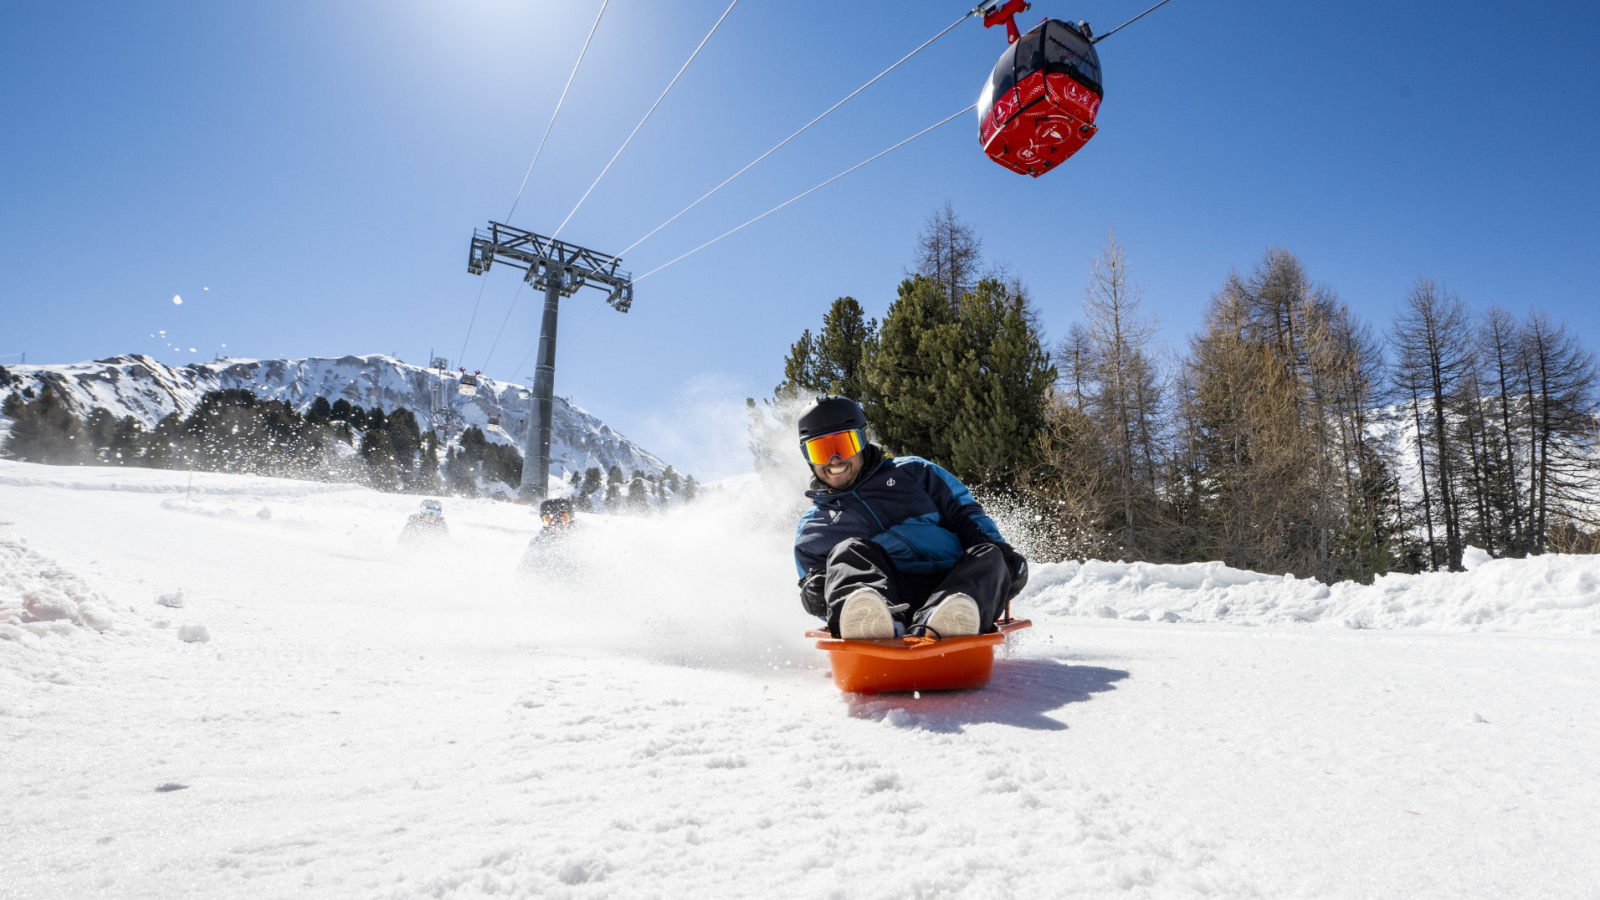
(563,98)
(819,187)
(1130,21)
(646,118)
(517,199)
(791,137)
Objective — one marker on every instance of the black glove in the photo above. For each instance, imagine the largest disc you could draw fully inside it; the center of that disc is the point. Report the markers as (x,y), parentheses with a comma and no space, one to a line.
(811,595)
(1018,566)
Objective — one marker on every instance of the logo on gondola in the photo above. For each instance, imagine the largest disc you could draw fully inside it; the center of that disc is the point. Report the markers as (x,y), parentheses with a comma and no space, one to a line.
(890,482)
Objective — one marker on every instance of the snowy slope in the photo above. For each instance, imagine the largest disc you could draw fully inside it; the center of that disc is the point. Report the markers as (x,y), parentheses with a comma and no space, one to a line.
(363,721)
(148,390)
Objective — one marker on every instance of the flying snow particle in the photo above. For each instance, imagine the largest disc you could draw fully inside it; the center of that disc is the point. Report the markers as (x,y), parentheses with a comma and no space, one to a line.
(177,299)
(191,349)
(224,346)
(205,289)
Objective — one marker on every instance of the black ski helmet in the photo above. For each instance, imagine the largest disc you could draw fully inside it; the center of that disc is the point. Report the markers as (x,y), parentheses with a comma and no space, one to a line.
(826,414)
(556,506)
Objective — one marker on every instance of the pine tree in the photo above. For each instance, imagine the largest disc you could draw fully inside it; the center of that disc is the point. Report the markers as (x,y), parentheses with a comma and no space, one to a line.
(592,483)
(461,474)
(906,368)
(948,254)
(1561,379)
(691,489)
(1003,383)
(428,481)
(44,431)
(1114,378)
(800,376)
(830,363)
(383,467)
(966,386)
(1434,365)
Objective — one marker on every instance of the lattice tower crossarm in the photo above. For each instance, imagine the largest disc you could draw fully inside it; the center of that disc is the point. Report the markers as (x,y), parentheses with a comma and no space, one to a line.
(543,258)
(559,268)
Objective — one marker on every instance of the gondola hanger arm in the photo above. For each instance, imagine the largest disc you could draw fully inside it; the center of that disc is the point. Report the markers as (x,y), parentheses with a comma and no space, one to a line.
(1006,13)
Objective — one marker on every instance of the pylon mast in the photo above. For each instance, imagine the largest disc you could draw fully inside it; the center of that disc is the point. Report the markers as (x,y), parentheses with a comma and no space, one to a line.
(558,268)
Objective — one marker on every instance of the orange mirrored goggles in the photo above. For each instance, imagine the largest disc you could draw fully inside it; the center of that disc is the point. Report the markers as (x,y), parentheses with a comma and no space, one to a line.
(843,444)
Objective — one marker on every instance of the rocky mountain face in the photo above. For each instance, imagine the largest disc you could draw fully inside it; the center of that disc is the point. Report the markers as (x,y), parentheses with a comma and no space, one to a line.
(139,386)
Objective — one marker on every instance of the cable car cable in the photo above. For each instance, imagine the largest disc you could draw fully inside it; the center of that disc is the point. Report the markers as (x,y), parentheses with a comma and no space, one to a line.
(812,190)
(509,310)
(517,199)
(1130,21)
(775,148)
(562,99)
(801,131)
(472,321)
(646,118)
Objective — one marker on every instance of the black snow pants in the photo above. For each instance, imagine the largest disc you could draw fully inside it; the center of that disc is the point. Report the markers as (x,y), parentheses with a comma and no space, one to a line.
(980,573)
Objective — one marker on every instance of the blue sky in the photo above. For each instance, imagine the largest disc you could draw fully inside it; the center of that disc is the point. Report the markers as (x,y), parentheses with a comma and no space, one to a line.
(320,167)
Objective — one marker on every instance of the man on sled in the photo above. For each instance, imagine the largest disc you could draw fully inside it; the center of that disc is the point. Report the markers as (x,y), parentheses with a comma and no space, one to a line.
(894,545)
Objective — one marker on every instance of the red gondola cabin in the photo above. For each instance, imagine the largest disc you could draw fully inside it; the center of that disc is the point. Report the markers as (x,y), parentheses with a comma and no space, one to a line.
(1039,105)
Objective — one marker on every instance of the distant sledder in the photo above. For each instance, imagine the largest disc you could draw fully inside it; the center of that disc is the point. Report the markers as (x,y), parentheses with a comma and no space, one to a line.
(911,576)
(426,524)
(546,553)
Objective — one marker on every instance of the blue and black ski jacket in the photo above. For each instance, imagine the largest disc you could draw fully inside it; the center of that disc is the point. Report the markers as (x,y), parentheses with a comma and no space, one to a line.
(916,511)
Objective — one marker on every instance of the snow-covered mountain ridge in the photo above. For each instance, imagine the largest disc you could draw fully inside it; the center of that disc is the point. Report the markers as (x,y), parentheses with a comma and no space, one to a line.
(142,387)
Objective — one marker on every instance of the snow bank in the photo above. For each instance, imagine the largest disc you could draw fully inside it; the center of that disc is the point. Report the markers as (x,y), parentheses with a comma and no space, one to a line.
(40,598)
(1553,593)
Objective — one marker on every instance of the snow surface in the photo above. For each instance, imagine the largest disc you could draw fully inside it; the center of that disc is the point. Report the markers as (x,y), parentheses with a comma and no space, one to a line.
(367,721)
(142,387)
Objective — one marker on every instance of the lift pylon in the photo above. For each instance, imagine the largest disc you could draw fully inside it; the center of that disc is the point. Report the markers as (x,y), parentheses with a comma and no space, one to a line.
(558,268)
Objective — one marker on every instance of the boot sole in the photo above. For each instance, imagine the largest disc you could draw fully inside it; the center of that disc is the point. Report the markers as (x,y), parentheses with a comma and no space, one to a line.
(865,617)
(957,616)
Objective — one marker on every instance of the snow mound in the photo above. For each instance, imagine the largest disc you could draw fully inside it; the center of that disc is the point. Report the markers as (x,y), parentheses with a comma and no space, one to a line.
(37,596)
(1551,593)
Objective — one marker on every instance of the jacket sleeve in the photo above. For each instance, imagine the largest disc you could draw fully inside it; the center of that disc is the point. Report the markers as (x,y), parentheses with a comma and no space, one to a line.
(806,563)
(960,513)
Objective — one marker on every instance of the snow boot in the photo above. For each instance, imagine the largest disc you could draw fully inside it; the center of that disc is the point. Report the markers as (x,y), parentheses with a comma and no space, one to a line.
(866,617)
(955,616)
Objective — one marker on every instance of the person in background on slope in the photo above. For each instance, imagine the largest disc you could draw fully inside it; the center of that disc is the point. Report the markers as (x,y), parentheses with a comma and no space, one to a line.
(544,550)
(426,524)
(894,546)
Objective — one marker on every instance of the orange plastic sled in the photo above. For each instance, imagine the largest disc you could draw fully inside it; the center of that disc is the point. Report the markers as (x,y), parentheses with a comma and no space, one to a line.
(914,664)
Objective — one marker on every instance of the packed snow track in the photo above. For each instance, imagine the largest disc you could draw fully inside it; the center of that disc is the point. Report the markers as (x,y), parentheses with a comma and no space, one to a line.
(247,688)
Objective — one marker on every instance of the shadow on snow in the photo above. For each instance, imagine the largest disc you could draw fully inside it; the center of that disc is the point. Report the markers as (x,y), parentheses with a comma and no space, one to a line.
(1020,694)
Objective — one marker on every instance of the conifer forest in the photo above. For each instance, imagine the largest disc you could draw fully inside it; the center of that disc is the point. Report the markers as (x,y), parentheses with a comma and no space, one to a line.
(1287,435)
